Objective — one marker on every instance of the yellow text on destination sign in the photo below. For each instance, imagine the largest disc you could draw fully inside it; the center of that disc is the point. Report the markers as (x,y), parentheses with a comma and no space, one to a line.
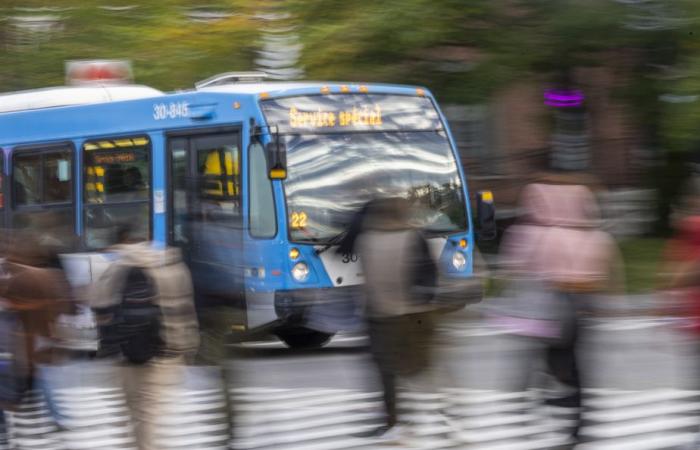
(363,116)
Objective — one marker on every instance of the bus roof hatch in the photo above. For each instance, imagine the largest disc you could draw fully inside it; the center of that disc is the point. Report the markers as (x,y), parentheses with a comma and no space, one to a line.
(232,77)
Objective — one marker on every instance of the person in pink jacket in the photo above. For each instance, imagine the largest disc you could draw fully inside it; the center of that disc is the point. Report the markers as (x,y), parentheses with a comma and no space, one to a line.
(560,260)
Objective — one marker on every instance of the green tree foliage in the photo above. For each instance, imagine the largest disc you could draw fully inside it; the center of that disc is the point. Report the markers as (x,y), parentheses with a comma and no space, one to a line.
(170,42)
(462,50)
(392,41)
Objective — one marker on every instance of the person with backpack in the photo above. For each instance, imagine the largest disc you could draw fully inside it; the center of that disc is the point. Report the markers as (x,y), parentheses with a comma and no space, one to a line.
(400,276)
(144,303)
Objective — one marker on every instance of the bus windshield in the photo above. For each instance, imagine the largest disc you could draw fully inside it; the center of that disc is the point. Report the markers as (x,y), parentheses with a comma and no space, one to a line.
(396,147)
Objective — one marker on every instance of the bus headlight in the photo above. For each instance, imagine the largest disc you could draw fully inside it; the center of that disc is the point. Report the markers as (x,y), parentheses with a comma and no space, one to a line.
(300,271)
(459,261)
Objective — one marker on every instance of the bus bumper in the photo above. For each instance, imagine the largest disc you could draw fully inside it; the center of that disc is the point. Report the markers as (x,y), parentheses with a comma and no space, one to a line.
(340,309)
(327,309)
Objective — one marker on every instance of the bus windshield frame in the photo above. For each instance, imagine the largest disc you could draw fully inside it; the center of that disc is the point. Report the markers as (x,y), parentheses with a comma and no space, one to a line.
(334,170)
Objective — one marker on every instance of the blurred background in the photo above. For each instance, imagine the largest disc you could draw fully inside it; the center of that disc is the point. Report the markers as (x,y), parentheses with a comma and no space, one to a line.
(606,92)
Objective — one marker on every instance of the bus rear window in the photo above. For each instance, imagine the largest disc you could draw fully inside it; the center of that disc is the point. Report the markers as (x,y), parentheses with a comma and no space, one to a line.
(117,190)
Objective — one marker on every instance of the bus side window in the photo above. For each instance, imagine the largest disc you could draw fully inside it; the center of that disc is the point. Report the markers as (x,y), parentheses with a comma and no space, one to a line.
(117,187)
(263,222)
(27,179)
(42,191)
(42,178)
(57,178)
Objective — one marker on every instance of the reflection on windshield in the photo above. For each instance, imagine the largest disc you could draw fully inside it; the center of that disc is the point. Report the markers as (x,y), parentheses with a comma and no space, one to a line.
(332,176)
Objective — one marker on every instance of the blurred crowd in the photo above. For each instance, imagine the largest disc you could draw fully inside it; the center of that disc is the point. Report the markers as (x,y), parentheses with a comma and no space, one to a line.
(556,265)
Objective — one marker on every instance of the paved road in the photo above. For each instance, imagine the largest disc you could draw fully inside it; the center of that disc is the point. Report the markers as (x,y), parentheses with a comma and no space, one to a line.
(640,394)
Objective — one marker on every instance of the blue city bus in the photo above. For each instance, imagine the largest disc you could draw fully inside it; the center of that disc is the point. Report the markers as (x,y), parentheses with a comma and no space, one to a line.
(258,182)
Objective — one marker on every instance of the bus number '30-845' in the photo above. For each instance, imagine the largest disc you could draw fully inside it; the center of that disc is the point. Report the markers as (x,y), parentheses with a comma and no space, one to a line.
(172,110)
(349,257)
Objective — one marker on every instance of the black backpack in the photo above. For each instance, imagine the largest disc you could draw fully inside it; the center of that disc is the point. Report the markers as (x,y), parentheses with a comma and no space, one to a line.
(423,273)
(139,318)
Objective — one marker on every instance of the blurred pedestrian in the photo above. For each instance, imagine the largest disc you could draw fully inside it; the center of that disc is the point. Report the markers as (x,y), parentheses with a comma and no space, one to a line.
(682,254)
(35,293)
(681,271)
(558,261)
(145,302)
(399,278)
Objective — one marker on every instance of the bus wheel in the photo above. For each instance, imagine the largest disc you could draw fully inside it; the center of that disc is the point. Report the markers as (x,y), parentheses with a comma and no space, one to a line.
(303,338)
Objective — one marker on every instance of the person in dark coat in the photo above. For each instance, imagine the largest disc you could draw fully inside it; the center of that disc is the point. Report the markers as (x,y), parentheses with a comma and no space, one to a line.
(399,277)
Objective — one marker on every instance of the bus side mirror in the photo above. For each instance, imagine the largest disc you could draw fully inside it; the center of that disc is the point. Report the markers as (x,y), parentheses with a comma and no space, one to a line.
(486,216)
(277,160)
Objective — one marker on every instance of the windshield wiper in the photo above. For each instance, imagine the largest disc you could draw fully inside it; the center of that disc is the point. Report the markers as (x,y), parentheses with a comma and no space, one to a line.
(337,239)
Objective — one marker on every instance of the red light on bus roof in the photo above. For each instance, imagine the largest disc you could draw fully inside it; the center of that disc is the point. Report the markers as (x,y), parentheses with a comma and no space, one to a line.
(98,72)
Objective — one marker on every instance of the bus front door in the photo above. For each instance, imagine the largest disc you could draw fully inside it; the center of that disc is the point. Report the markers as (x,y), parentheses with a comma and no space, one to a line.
(206,216)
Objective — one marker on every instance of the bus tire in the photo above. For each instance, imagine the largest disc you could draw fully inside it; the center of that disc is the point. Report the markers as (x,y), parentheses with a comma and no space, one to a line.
(303,338)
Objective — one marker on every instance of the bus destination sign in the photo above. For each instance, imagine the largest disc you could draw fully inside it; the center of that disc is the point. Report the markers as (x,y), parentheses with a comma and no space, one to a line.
(362,116)
(336,113)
